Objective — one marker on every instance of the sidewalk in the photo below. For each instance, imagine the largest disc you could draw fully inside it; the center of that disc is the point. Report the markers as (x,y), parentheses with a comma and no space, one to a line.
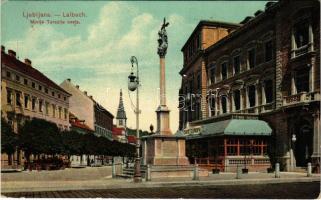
(108,183)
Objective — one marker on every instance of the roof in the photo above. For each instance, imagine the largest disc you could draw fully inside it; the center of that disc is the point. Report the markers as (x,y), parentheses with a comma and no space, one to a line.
(236,127)
(99,107)
(211,23)
(118,130)
(121,114)
(23,68)
(131,139)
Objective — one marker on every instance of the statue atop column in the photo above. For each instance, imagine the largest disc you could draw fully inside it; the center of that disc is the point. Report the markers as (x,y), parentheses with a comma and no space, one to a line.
(162,40)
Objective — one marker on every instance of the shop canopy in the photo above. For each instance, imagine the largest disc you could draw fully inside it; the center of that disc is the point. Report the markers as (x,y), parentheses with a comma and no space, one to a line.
(236,127)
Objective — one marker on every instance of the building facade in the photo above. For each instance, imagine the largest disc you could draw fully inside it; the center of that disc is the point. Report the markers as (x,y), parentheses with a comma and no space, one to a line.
(267,69)
(26,93)
(95,116)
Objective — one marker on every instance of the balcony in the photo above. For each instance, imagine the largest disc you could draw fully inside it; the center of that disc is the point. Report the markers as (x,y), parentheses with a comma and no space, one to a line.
(302,97)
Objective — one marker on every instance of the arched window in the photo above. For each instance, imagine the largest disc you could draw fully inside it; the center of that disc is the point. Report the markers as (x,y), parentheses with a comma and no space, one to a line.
(212,105)
(237,99)
(251,95)
(224,104)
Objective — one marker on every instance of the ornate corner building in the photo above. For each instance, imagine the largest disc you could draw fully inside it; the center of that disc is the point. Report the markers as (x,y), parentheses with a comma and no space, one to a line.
(250,92)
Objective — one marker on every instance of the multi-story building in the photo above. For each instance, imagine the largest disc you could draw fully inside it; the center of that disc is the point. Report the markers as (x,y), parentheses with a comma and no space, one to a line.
(84,107)
(27,93)
(260,79)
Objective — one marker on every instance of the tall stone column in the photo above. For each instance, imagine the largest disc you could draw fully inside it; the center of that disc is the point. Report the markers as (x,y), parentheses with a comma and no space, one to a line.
(162,110)
(162,81)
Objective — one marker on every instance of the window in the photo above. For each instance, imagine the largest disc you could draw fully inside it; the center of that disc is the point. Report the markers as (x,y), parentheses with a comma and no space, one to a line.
(26,100)
(9,96)
(47,108)
(33,104)
(59,112)
(120,122)
(251,95)
(224,70)
(40,105)
(268,51)
(236,64)
(25,81)
(237,99)
(46,90)
(212,74)
(224,104)
(251,58)
(302,80)
(301,34)
(53,94)
(33,85)
(212,105)
(65,98)
(18,100)
(198,82)
(65,113)
(53,110)
(59,96)
(17,78)
(39,87)
(231,147)
(8,74)
(268,88)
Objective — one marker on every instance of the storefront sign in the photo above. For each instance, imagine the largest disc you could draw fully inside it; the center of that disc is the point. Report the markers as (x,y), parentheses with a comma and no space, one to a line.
(193,130)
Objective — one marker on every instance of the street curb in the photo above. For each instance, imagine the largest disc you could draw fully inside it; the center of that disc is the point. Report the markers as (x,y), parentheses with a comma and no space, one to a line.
(127,185)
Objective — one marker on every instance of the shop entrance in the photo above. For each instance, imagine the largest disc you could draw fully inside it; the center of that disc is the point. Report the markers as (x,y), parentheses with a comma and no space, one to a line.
(303,145)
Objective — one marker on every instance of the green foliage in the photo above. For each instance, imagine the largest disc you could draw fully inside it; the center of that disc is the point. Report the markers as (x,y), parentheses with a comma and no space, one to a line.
(9,140)
(39,136)
(42,137)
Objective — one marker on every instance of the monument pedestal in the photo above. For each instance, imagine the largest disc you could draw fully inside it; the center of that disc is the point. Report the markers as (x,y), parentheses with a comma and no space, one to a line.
(164,150)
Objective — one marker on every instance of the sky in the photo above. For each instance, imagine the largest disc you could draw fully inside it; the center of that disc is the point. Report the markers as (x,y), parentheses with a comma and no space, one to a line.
(95,54)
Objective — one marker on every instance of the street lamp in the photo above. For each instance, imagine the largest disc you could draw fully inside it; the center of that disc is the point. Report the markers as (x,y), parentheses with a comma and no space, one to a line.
(293,140)
(133,84)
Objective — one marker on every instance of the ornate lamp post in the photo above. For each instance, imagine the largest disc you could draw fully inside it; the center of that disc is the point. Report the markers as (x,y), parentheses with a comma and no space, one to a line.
(293,140)
(133,84)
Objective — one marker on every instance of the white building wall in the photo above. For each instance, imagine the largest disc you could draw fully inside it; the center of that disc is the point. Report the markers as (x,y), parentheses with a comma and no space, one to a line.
(80,104)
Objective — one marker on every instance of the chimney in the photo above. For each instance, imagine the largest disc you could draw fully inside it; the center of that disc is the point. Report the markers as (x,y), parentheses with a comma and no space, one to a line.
(3,48)
(85,92)
(28,62)
(68,79)
(77,86)
(11,53)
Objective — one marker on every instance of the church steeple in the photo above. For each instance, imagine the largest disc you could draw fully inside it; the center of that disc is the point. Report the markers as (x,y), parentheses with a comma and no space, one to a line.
(121,114)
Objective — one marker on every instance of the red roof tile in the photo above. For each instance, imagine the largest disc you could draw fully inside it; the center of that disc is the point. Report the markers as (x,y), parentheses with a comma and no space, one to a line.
(19,66)
(81,125)
(117,131)
(131,139)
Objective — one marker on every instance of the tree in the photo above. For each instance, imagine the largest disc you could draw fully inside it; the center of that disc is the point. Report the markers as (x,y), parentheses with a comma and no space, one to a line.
(9,139)
(39,136)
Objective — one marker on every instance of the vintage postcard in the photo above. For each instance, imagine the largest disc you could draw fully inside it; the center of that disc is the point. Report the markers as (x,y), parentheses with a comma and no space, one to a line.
(160,99)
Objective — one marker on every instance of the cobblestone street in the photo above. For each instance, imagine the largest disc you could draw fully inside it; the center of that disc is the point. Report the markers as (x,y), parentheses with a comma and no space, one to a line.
(309,190)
